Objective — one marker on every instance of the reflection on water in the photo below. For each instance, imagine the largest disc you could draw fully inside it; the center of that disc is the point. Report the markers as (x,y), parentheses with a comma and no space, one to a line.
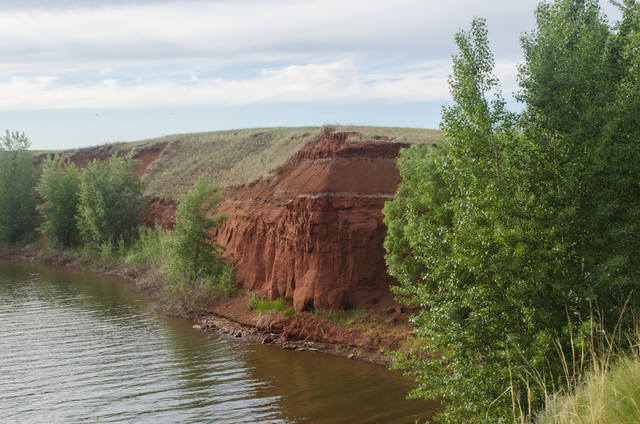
(81,348)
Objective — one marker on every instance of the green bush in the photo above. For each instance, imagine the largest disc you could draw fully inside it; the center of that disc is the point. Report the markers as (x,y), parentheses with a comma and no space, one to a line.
(111,201)
(17,181)
(59,188)
(226,281)
(195,259)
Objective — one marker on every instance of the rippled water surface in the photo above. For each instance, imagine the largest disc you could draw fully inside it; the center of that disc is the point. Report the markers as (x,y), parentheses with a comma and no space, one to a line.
(80,348)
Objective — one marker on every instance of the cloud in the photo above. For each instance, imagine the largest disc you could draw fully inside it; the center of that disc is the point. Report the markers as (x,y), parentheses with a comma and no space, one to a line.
(120,35)
(64,54)
(340,81)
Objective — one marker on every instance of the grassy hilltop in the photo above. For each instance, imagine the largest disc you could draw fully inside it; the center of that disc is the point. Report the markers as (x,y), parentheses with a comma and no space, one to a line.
(237,157)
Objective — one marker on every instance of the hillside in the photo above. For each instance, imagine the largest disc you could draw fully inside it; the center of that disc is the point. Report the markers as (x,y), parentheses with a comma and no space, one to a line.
(170,164)
(304,205)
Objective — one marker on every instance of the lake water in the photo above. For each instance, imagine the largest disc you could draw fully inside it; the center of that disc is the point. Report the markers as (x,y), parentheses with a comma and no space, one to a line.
(76,347)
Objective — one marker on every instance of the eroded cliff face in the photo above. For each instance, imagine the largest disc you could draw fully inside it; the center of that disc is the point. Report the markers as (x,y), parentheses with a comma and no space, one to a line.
(314,231)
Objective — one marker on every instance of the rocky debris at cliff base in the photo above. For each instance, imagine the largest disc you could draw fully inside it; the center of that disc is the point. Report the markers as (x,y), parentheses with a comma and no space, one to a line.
(233,329)
(364,337)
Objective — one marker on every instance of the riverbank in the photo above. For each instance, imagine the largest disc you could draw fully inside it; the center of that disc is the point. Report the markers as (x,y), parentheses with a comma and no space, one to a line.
(359,334)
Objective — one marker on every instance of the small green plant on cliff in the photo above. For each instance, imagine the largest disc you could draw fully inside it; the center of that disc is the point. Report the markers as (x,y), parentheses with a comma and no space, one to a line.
(111,201)
(195,259)
(17,181)
(59,187)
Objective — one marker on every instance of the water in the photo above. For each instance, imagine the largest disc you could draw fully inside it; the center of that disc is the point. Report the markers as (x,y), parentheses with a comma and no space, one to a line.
(80,348)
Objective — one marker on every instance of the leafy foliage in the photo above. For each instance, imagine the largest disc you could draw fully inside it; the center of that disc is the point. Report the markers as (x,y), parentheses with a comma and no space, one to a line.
(195,258)
(526,224)
(17,180)
(59,187)
(111,201)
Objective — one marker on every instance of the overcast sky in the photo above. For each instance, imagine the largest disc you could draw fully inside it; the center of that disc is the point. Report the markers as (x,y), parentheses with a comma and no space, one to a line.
(79,73)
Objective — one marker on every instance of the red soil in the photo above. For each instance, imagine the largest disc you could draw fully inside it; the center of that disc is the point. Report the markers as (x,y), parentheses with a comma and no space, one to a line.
(314,231)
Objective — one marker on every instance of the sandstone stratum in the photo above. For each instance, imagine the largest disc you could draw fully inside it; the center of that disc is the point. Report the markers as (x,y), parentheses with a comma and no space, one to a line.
(303,205)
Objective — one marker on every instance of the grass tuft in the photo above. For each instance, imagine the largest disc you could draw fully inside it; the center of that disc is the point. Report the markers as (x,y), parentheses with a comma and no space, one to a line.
(262,305)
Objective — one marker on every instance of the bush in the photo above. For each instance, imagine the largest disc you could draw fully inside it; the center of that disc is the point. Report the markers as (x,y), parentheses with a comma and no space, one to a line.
(17,181)
(59,188)
(195,259)
(111,201)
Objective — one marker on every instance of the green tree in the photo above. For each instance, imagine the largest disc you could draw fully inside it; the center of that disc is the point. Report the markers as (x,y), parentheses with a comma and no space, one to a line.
(111,201)
(194,255)
(59,188)
(541,214)
(17,180)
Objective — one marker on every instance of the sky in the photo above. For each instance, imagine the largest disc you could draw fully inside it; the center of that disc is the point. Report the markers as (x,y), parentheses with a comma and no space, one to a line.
(80,73)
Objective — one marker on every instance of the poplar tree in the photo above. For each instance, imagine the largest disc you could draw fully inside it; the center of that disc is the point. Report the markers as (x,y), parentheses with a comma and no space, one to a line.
(59,188)
(537,224)
(17,180)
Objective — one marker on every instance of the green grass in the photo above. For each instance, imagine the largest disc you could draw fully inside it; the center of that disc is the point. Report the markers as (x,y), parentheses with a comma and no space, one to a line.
(262,305)
(395,134)
(349,317)
(229,158)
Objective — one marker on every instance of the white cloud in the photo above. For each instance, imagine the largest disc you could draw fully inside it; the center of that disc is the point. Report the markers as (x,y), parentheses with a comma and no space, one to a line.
(240,31)
(191,53)
(340,81)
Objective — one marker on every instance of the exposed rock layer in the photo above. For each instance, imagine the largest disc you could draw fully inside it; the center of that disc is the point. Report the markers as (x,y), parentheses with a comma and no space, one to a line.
(314,231)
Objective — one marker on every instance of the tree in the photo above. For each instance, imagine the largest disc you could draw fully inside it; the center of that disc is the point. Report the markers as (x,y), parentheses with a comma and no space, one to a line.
(194,255)
(111,201)
(59,187)
(457,212)
(17,179)
(537,222)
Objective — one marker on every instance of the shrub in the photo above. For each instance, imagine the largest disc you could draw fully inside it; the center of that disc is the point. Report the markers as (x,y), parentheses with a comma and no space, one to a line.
(111,201)
(524,220)
(195,259)
(59,188)
(149,249)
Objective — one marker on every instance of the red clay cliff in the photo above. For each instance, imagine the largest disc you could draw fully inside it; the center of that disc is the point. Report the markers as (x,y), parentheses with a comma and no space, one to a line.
(314,230)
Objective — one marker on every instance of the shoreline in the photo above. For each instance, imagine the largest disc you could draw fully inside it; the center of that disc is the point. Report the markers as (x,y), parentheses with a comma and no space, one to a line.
(304,331)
